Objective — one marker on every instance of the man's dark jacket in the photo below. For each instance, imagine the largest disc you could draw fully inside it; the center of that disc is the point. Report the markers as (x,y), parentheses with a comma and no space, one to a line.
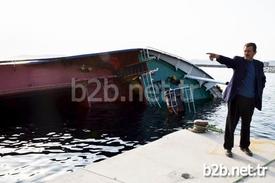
(239,65)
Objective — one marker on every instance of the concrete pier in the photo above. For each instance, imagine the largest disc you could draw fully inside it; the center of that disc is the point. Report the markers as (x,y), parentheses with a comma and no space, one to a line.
(182,156)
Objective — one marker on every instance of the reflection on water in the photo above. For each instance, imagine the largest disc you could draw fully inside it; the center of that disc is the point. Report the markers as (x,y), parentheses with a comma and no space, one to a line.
(40,148)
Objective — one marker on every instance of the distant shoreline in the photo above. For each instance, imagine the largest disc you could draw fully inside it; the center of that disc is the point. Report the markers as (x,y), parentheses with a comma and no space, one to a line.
(209,65)
(269,69)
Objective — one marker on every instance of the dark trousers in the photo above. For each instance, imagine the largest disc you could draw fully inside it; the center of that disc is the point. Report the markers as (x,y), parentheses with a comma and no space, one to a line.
(239,107)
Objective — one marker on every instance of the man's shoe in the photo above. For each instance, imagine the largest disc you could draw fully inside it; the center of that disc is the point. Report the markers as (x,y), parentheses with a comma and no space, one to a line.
(247,151)
(228,153)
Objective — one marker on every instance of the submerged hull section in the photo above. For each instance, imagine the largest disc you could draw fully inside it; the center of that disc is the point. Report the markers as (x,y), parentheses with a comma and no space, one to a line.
(176,82)
(119,76)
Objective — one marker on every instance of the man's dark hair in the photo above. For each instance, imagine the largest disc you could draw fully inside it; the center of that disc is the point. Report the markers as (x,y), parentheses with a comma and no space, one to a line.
(253,45)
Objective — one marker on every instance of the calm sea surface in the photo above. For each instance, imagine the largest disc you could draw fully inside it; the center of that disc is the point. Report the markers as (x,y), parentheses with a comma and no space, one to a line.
(43,149)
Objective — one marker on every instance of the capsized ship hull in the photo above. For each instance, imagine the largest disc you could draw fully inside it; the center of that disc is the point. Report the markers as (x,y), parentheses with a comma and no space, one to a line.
(143,75)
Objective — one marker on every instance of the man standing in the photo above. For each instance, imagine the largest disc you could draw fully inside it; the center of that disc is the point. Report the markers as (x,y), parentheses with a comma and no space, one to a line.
(243,94)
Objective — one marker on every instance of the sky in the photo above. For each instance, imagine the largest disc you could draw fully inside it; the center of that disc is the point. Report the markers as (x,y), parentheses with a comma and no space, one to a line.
(187,28)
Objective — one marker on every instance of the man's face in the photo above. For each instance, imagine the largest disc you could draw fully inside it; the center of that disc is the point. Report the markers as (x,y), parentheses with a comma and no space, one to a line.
(248,52)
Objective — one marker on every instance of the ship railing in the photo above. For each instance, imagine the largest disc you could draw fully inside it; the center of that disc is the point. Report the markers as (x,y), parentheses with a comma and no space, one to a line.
(172,100)
(188,97)
(145,56)
(149,89)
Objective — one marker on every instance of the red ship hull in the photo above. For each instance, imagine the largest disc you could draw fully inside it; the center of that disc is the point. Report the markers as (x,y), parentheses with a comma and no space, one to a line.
(63,76)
